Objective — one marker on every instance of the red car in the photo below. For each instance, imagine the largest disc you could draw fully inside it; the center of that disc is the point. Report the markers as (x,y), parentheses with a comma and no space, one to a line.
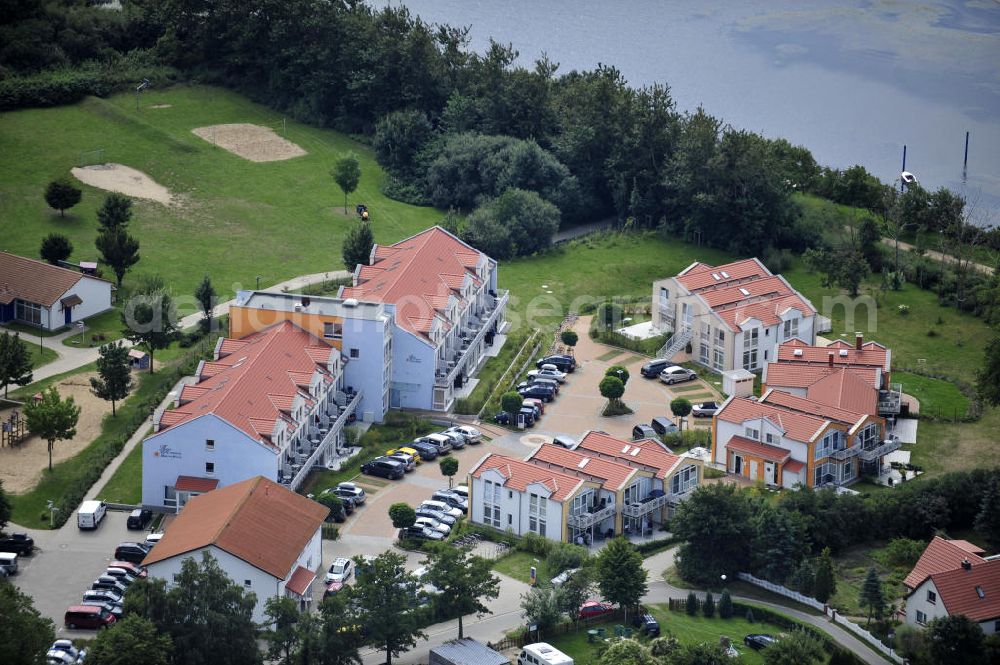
(594,608)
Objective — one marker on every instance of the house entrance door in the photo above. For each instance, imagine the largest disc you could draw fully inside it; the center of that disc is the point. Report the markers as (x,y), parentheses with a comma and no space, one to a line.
(69,315)
(737,465)
(753,469)
(769,473)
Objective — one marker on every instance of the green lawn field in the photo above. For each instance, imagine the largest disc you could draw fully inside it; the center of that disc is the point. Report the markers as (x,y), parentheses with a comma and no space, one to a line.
(236,219)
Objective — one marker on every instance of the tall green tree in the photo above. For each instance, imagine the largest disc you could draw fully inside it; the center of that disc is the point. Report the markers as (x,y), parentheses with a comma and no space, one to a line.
(61,196)
(206,296)
(333,636)
(281,630)
(24,633)
(449,467)
(955,640)
(988,377)
(15,361)
(55,248)
(119,250)
(347,173)
(681,408)
(150,318)
(715,525)
(611,388)
(464,582)
(725,605)
(131,635)
(799,648)
(402,515)
(620,574)
(208,617)
(52,418)
(987,522)
(627,652)
(358,243)
(576,590)
(778,545)
(825,582)
(386,597)
(872,595)
(399,138)
(540,606)
(115,213)
(708,607)
(516,223)
(114,380)
(691,606)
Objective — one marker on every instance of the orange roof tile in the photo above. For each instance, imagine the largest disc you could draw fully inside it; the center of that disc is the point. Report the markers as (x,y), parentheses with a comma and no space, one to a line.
(974,593)
(941,555)
(762,450)
(300,580)
(845,390)
(34,281)
(519,474)
(793,466)
(700,275)
(803,375)
(615,474)
(194,484)
(417,274)
(647,452)
(872,354)
(810,406)
(797,426)
(256,520)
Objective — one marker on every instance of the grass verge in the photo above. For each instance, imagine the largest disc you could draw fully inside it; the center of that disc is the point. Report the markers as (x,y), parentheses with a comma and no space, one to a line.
(41,356)
(517,565)
(939,399)
(125,486)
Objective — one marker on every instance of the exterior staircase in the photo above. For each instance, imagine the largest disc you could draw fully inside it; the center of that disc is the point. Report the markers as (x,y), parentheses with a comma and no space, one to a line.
(680,339)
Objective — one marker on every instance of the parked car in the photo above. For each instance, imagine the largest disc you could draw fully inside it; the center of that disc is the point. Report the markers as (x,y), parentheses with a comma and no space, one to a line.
(346,497)
(152,539)
(444,518)
(758,641)
(527,414)
(408,461)
(462,491)
(544,381)
(537,402)
(533,405)
(431,523)
(340,570)
(137,571)
(138,519)
(117,609)
(90,514)
(564,441)
(450,498)
(412,452)
(18,543)
(384,467)
(64,651)
(443,507)
(131,552)
(676,374)
(457,440)
(427,451)
(110,583)
(648,624)
(420,533)
(562,363)
(357,492)
(108,596)
(88,616)
(126,577)
(471,434)
(643,432)
(663,425)
(704,410)
(563,577)
(502,418)
(8,564)
(652,369)
(594,608)
(441,443)
(540,392)
(548,372)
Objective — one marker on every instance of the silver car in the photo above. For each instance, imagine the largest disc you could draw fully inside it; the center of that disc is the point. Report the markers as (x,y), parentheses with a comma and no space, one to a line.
(676,374)
(431,523)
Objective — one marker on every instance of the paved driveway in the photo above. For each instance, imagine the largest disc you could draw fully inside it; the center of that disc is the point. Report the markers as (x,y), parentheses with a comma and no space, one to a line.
(578,406)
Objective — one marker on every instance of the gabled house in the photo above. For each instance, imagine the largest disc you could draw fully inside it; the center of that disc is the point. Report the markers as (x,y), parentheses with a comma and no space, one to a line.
(39,294)
(732,316)
(272,404)
(954,577)
(264,536)
(603,486)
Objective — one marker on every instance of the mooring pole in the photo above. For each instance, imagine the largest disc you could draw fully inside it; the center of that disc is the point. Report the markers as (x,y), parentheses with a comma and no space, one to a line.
(965,160)
(901,183)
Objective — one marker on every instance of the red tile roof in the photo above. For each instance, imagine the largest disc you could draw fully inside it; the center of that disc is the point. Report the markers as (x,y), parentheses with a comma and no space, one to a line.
(254,385)
(519,474)
(872,354)
(417,274)
(797,426)
(762,450)
(974,592)
(615,474)
(700,275)
(300,580)
(845,390)
(194,484)
(34,281)
(794,466)
(810,406)
(256,520)
(803,375)
(647,452)
(941,555)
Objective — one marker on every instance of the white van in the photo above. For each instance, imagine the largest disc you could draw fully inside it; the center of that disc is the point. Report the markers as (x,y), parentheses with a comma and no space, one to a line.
(8,564)
(542,653)
(90,514)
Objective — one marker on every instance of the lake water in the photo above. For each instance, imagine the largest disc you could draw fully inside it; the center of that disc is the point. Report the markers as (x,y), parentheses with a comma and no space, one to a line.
(852,81)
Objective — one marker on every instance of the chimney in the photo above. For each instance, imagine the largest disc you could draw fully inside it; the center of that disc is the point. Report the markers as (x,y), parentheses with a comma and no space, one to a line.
(966,564)
(829,358)
(858,339)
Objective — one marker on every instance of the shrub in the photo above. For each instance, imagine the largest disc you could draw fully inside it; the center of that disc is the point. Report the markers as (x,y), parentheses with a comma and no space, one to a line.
(708,607)
(535,544)
(725,605)
(563,556)
(691,606)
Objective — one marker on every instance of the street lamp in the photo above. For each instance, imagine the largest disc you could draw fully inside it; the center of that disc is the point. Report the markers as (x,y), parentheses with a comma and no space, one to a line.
(259,277)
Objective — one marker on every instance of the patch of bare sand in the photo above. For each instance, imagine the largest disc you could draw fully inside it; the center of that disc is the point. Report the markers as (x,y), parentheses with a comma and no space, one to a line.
(251,142)
(124,180)
(21,467)
(161,106)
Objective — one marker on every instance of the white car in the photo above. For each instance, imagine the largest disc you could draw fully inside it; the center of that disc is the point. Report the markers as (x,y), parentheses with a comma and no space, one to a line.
(462,491)
(471,434)
(444,508)
(64,651)
(340,570)
(675,374)
(431,523)
(152,539)
(548,373)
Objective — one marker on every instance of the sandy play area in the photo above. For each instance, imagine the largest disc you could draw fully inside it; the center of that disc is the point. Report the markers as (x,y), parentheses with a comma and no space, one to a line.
(124,180)
(21,467)
(252,142)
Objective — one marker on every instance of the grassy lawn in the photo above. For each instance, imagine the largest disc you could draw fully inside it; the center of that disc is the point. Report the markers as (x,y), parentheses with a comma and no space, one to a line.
(101,329)
(852,566)
(938,399)
(518,566)
(399,428)
(41,356)
(125,486)
(491,372)
(14,326)
(229,208)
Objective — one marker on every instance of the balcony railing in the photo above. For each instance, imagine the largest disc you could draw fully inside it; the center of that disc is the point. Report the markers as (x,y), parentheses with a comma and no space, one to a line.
(845,453)
(645,507)
(890,401)
(587,520)
(300,471)
(454,362)
(886,447)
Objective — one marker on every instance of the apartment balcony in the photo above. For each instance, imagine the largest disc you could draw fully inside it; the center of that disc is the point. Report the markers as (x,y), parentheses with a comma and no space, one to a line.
(469,337)
(823,324)
(845,453)
(890,401)
(306,457)
(589,519)
(645,507)
(886,447)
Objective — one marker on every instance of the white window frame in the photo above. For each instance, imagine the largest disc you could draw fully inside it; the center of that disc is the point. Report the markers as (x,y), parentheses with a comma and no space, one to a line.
(684,480)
